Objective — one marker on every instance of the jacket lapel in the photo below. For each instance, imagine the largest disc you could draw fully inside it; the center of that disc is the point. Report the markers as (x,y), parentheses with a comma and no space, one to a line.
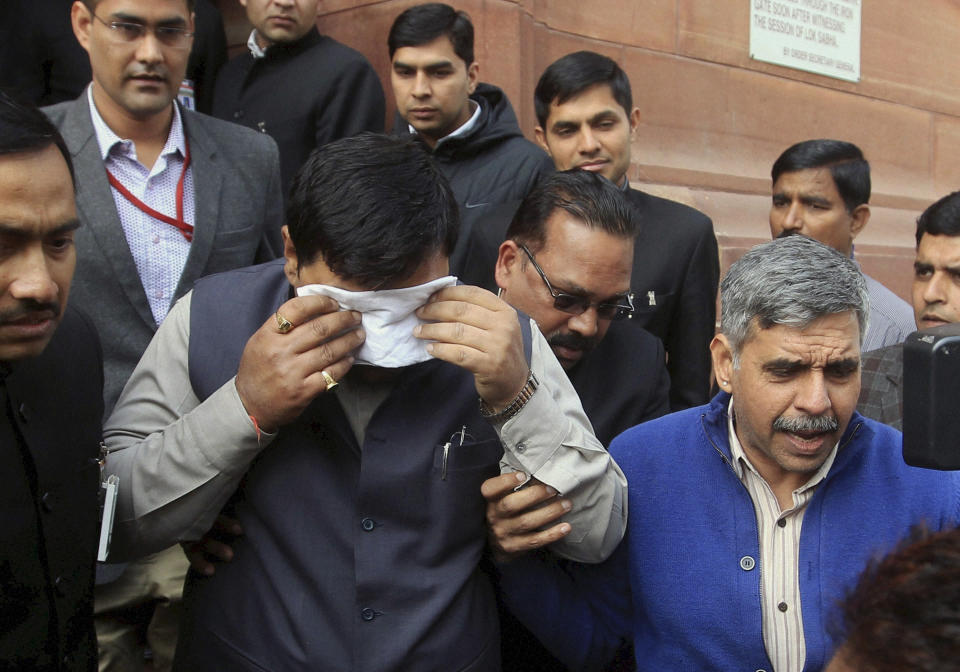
(97,208)
(207,182)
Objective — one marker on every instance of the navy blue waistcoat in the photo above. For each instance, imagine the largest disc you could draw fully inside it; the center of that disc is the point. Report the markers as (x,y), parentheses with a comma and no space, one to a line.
(353,558)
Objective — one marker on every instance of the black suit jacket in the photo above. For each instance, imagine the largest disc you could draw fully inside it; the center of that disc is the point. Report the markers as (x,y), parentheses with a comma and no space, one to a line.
(42,61)
(623,383)
(676,271)
(49,437)
(208,54)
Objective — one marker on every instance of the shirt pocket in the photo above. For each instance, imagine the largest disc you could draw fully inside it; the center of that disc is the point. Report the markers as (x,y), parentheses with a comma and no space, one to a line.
(457,474)
(461,460)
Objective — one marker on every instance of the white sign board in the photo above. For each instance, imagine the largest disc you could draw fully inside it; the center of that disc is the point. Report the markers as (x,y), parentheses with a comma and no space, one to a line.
(821,36)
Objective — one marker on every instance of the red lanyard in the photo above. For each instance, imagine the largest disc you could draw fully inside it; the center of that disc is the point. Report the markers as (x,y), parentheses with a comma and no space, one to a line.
(179,222)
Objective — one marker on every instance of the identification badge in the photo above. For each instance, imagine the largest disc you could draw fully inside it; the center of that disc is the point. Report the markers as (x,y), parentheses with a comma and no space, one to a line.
(187,95)
(110,489)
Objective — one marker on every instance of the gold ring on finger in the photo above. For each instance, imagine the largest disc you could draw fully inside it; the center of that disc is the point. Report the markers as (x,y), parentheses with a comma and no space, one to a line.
(283,324)
(328,379)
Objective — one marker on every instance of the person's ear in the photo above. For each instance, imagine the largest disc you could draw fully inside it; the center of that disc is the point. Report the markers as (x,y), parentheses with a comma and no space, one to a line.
(473,77)
(634,118)
(507,267)
(722,354)
(81,20)
(860,215)
(541,137)
(291,267)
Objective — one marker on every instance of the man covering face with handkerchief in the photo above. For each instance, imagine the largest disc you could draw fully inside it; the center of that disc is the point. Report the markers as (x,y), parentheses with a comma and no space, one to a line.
(357,487)
(388,318)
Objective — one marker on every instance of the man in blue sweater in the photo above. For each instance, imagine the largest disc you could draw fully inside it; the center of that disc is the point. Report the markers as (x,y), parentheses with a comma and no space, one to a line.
(750,517)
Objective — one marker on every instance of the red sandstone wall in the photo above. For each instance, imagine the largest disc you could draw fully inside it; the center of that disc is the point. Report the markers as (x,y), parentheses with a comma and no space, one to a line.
(714,120)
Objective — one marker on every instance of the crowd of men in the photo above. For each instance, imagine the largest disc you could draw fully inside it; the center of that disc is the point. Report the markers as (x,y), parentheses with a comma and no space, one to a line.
(437,400)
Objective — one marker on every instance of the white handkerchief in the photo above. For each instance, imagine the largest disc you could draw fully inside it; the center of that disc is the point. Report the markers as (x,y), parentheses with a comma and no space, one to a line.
(388,319)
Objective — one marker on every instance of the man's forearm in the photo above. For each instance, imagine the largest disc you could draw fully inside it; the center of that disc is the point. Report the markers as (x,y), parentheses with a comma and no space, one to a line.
(178,460)
(552,439)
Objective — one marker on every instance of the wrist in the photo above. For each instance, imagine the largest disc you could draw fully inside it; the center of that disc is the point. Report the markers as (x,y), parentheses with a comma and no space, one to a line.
(262,422)
(513,407)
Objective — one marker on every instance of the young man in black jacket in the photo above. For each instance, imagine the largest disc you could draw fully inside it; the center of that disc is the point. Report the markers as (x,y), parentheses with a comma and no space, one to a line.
(469,126)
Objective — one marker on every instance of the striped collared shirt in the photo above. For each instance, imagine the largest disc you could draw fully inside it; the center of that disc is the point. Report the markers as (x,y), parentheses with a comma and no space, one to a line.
(159,250)
(779,560)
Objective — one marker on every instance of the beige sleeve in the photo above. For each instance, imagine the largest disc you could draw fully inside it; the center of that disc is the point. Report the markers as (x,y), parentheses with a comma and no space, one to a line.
(552,439)
(178,460)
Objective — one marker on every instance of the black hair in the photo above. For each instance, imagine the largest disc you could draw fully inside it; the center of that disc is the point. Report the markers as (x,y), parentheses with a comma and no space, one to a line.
(941,219)
(574,73)
(422,24)
(850,171)
(24,128)
(589,197)
(92,4)
(373,208)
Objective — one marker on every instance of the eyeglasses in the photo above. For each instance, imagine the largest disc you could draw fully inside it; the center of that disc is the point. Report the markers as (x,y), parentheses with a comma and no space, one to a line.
(576,304)
(127,32)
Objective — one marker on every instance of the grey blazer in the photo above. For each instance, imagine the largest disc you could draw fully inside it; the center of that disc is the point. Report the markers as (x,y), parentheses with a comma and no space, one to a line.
(238,215)
(881,385)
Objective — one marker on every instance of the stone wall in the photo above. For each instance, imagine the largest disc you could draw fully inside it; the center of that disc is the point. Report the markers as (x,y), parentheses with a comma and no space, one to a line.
(713,120)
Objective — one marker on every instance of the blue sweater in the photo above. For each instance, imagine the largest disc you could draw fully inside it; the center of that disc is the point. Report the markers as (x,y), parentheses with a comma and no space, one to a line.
(680,585)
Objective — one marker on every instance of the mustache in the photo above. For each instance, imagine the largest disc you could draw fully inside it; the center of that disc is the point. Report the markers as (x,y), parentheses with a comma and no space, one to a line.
(148,71)
(28,308)
(573,341)
(807,424)
(788,232)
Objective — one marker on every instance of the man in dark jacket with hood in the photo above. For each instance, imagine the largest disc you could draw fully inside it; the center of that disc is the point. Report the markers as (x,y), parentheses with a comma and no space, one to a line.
(469,126)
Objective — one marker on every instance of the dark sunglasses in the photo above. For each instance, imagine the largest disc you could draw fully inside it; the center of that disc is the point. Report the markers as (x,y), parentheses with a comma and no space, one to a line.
(621,307)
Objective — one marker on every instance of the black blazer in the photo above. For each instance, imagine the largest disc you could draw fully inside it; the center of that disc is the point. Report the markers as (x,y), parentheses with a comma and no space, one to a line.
(304,95)
(623,383)
(675,258)
(49,441)
(676,271)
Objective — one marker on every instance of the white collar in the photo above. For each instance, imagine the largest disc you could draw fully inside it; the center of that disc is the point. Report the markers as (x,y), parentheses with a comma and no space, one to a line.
(464,128)
(107,139)
(255,49)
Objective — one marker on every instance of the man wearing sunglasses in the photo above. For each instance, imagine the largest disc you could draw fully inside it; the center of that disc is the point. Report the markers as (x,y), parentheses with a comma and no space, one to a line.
(566,262)
(165,197)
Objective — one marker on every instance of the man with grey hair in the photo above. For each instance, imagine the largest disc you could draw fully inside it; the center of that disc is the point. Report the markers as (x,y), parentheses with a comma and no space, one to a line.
(750,517)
